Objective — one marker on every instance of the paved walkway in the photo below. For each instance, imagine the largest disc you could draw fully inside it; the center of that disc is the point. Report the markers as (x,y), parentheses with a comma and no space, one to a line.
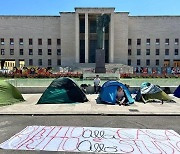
(29,107)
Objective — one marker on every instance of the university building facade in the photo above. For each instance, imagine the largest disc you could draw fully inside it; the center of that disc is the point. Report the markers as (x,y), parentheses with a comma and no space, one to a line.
(70,39)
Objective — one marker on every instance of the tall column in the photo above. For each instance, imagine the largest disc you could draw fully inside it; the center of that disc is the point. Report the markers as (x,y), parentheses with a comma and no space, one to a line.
(111,41)
(86,38)
(17,62)
(77,36)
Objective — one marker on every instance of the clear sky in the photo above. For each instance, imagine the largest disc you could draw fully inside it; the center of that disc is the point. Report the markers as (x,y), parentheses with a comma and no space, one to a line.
(53,7)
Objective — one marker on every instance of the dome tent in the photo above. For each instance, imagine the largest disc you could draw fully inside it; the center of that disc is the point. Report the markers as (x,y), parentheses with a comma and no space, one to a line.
(109,91)
(62,90)
(149,92)
(177,92)
(9,94)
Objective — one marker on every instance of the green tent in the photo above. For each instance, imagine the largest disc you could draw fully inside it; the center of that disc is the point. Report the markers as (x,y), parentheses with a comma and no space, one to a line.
(62,90)
(9,94)
(149,92)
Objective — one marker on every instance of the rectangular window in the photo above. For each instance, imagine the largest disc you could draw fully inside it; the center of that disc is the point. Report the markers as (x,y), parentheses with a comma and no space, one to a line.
(166,52)
(157,62)
(40,62)
(58,62)
(39,51)
(129,52)
(58,41)
(49,62)
(157,52)
(147,62)
(2,41)
(30,62)
(167,41)
(20,41)
(176,52)
(147,51)
(176,41)
(129,42)
(129,62)
(138,41)
(58,51)
(30,41)
(21,52)
(2,52)
(30,51)
(49,52)
(11,51)
(49,41)
(148,41)
(138,51)
(39,41)
(157,41)
(138,62)
(11,41)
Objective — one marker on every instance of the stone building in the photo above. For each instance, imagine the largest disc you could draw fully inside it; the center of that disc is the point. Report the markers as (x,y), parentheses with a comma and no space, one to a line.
(70,39)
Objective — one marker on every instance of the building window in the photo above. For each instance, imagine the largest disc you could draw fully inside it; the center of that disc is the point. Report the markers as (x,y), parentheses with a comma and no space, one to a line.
(49,41)
(157,41)
(138,41)
(20,41)
(30,41)
(2,52)
(166,52)
(176,52)
(167,41)
(129,62)
(39,41)
(93,26)
(58,51)
(148,41)
(157,62)
(39,51)
(176,41)
(157,52)
(58,41)
(30,62)
(129,52)
(40,62)
(21,52)
(147,62)
(129,42)
(11,41)
(30,51)
(138,51)
(11,51)
(58,62)
(49,52)
(2,41)
(49,62)
(147,51)
(138,62)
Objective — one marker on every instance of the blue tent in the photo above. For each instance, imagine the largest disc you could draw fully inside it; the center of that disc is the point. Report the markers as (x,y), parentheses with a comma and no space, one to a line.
(177,92)
(109,91)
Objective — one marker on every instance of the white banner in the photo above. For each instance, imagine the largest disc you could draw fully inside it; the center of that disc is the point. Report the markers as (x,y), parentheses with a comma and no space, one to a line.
(95,139)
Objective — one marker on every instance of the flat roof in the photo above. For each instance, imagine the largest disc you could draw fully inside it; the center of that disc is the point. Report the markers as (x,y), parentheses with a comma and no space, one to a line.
(113,8)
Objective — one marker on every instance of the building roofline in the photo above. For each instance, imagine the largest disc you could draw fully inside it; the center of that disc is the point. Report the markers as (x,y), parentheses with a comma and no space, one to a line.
(27,16)
(94,8)
(156,16)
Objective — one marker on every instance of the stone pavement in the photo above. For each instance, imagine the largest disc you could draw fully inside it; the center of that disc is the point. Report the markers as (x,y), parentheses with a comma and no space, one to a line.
(29,107)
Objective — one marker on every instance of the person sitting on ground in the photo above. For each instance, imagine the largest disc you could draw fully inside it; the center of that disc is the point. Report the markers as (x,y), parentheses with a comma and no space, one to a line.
(97,84)
(120,97)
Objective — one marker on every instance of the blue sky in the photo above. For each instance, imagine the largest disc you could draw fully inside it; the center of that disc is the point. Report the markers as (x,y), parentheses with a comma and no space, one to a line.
(53,7)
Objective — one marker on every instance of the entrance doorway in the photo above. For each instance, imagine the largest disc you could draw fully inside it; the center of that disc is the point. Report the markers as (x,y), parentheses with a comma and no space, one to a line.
(166,63)
(176,63)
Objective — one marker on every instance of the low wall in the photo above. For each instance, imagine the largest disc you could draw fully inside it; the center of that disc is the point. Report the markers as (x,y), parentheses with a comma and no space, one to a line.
(89,90)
